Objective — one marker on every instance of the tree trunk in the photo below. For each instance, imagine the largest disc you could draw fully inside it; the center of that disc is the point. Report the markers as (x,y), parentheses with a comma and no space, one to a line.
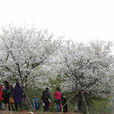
(28,100)
(76,106)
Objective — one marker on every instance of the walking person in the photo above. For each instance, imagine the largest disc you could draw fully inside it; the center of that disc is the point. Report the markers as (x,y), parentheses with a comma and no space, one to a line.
(6,94)
(46,99)
(58,97)
(18,93)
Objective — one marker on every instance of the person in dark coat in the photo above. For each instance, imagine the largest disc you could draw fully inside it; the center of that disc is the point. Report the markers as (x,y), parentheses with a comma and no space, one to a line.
(6,94)
(46,99)
(64,103)
(79,101)
(18,94)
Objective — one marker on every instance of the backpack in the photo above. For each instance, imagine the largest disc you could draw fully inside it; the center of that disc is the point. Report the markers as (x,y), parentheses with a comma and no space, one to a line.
(6,93)
(46,94)
(11,100)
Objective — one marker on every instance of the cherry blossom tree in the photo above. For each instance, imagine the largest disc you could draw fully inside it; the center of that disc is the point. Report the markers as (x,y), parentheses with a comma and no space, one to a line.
(24,52)
(88,67)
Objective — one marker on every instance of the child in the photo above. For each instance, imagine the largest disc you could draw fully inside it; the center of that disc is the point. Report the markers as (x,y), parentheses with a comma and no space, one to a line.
(35,103)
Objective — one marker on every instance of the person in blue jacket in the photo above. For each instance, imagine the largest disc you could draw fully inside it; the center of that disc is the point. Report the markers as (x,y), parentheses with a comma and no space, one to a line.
(35,102)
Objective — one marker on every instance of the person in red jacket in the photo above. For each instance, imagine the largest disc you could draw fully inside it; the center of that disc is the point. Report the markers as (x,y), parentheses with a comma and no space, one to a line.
(58,97)
(1,98)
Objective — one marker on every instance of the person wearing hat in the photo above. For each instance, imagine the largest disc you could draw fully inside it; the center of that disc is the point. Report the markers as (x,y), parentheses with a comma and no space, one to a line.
(18,96)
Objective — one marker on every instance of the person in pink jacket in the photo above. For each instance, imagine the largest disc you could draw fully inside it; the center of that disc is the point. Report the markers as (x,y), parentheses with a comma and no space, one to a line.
(1,97)
(58,97)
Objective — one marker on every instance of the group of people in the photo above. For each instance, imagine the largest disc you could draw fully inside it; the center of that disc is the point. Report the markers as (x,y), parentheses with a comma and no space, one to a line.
(60,100)
(11,98)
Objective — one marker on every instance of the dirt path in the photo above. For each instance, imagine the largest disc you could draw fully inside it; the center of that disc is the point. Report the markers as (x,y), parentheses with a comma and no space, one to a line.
(3,112)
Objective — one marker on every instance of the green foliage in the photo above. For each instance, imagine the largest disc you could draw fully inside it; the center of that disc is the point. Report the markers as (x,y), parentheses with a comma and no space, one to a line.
(96,105)
(34,92)
(99,105)
(54,83)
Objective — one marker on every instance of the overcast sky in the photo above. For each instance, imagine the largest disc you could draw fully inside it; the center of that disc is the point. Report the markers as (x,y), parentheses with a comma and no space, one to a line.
(80,20)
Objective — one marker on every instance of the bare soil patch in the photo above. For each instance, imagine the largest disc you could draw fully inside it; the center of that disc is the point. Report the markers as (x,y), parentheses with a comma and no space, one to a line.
(25,112)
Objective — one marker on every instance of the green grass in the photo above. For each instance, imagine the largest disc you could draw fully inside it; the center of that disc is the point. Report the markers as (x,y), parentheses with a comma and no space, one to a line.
(96,105)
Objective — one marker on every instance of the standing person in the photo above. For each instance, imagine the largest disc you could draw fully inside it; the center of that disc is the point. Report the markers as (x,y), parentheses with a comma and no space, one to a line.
(79,101)
(6,94)
(46,99)
(58,97)
(35,102)
(1,98)
(18,93)
(64,103)
(11,98)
